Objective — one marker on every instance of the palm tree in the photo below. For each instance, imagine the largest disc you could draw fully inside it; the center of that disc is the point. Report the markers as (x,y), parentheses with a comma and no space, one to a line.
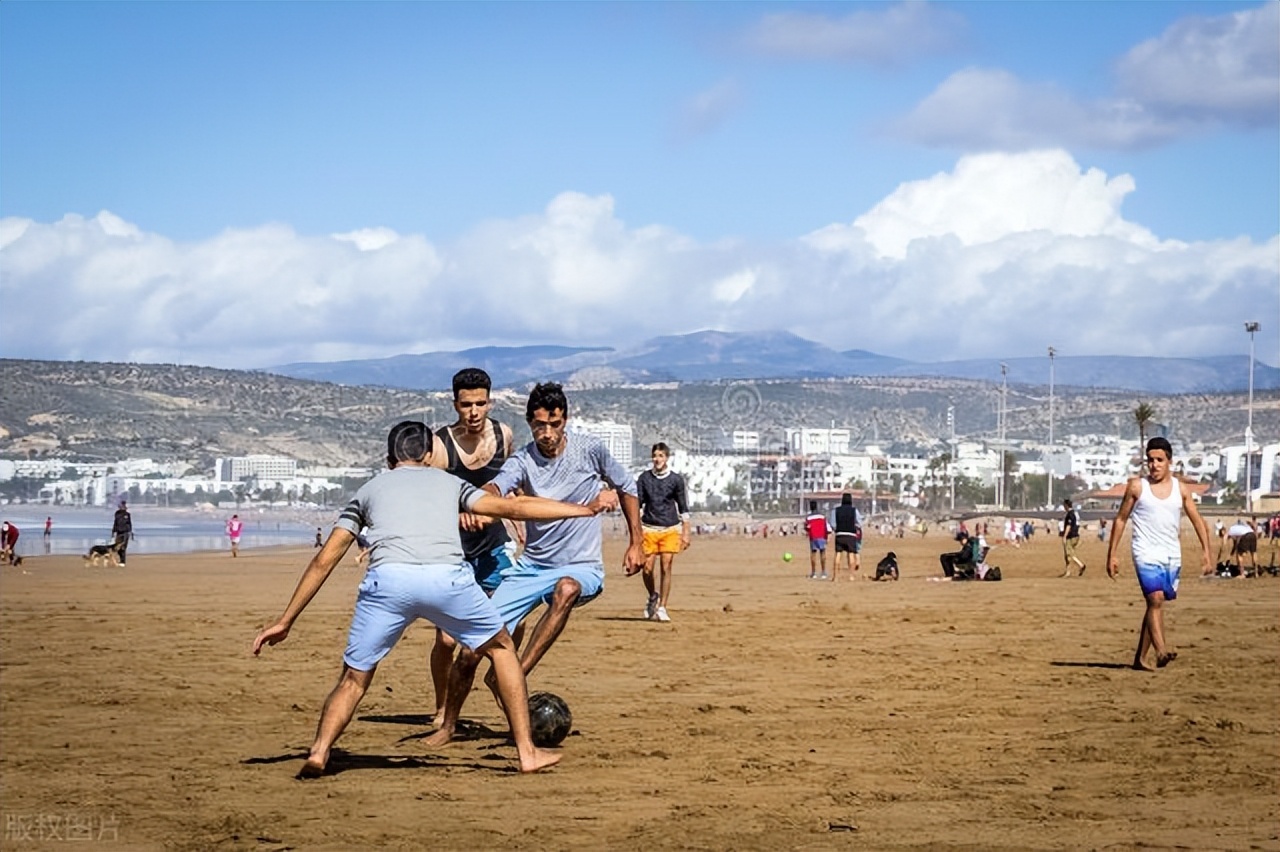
(1143,414)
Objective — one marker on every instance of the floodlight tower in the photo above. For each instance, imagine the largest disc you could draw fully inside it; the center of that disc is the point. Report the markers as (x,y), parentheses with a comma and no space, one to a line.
(1252,328)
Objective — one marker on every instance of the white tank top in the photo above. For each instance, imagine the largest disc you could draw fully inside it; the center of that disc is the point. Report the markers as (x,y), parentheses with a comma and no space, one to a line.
(1155,526)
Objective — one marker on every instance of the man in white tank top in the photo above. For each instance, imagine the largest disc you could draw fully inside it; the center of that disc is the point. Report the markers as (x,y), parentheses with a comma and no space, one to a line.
(1154,503)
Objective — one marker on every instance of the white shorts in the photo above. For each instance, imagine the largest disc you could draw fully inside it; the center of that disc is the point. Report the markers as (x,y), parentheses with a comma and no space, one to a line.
(393,595)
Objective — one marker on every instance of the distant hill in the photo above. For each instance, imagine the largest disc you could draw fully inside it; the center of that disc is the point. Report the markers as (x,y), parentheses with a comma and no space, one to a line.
(106,412)
(717,356)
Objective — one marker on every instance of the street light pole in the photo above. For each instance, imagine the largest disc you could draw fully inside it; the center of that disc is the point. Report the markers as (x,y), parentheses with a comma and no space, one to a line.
(1004,415)
(1252,328)
(1049,468)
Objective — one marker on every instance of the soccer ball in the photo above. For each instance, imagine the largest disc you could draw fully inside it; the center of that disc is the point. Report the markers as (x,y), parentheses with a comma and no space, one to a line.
(787,557)
(549,718)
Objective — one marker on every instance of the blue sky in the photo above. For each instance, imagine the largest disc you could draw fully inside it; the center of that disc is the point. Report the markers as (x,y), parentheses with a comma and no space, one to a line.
(449,175)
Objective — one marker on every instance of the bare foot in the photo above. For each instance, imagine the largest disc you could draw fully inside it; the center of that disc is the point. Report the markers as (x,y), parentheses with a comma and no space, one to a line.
(313,768)
(541,759)
(440,738)
(1139,666)
(1166,659)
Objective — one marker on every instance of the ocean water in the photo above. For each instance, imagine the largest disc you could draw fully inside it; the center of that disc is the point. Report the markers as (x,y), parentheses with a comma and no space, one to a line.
(76,529)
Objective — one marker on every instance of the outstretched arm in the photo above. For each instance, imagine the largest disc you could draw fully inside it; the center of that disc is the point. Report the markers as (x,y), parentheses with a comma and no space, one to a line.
(1202,529)
(526,508)
(318,570)
(1131,493)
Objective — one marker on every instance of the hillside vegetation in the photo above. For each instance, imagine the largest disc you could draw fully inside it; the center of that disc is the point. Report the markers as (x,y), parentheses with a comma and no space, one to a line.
(101,411)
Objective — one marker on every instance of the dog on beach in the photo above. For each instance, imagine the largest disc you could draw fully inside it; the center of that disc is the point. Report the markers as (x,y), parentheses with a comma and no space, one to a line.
(102,554)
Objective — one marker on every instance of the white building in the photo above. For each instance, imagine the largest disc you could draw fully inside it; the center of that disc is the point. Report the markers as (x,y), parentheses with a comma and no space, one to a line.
(746,441)
(617,437)
(240,468)
(808,442)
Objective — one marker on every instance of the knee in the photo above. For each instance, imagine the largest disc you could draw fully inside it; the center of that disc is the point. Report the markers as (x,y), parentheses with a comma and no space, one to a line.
(444,640)
(566,593)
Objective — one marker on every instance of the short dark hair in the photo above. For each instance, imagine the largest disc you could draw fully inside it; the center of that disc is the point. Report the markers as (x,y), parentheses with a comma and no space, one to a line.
(660,446)
(471,378)
(813,505)
(549,396)
(408,440)
(1160,443)
(846,499)
(1066,501)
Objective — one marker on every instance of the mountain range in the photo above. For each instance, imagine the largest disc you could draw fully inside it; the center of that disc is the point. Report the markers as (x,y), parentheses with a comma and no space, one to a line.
(717,355)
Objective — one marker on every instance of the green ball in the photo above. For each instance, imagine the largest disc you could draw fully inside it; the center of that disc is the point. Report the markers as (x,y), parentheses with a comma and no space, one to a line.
(787,557)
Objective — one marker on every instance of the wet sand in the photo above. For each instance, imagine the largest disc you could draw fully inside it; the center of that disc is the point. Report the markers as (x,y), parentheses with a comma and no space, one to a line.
(771,713)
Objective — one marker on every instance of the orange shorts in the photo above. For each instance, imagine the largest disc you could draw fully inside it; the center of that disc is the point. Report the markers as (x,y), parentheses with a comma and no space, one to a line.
(661,541)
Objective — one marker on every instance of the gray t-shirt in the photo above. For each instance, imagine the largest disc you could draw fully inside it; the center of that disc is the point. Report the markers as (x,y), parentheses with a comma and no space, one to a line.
(574,476)
(412,515)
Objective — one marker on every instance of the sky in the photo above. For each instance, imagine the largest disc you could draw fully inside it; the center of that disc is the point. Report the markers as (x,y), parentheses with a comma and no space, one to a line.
(251,184)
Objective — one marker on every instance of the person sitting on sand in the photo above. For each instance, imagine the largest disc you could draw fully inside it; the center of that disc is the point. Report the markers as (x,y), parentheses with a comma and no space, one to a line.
(417,571)
(962,564)
(887,568)
(1154,502)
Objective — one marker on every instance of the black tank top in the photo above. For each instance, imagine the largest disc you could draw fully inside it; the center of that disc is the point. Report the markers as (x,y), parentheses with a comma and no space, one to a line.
(494,535)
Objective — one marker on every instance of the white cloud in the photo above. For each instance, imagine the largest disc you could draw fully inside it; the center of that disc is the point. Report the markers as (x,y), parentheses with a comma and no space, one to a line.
(882,36)
(1199,74)
(369,239)
(991,196)
(1000,256)
(1224,68)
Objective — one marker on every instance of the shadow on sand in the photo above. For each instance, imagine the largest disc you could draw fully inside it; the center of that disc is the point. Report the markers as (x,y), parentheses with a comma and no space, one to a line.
(1088,665)
(343,761)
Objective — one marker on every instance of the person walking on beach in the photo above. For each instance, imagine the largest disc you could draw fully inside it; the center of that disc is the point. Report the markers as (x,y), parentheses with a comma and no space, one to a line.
(848,537)
(1154,503)
(48,535)
(561,565)
(664,517)
(819,530)
(121,531)
(1070,535)
(416,571)
(234,527)
(473,449)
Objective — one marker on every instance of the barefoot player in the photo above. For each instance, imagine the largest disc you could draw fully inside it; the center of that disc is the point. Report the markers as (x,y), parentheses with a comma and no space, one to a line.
(416,571)
(562,564)
(664,517)
(472,449)
(1154,503)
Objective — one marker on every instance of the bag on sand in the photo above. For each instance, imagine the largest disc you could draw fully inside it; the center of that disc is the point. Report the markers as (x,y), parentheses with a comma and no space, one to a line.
(993,573)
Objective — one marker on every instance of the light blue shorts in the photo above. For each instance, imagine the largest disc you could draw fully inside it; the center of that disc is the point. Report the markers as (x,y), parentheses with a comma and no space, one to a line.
(393,595)
(525,585)
(1159,578)
(817,545)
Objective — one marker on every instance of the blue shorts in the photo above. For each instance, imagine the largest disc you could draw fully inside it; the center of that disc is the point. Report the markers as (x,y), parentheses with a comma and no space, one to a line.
(817,545)
(525,585)
(393,595)
(488,567)
(1159,578)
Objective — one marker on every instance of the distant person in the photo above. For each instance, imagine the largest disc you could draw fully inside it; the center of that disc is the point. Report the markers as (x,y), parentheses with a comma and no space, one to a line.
(234,527)
(1155,502)
(1102,529)
(121,531)
(1244,542)
(9,543)
(48,535)
(473,448)
(818,530)
(963,563)
(1070,535)
(562,564)
(848,528)
(417,571)
(319,537)
(664,519)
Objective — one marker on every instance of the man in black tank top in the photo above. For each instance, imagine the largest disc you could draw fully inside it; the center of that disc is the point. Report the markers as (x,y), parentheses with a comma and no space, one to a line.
(473,449)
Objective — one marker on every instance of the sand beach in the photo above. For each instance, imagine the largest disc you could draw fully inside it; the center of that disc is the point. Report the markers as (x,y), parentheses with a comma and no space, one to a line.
(772,713)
